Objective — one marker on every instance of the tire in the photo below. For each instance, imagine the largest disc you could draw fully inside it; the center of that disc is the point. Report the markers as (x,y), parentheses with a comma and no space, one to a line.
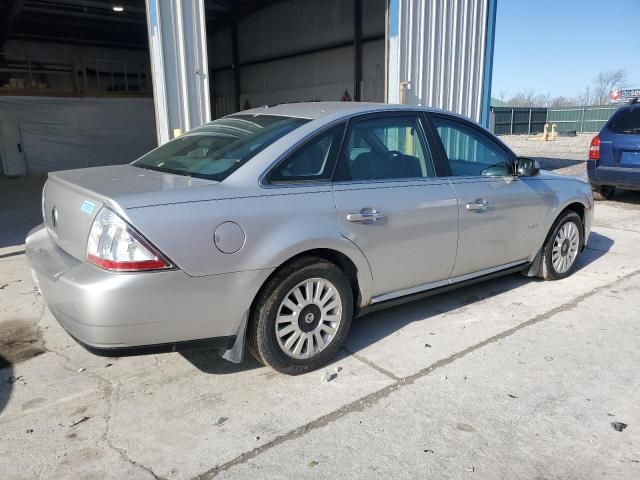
(603,192)
(297,347)
(565,241)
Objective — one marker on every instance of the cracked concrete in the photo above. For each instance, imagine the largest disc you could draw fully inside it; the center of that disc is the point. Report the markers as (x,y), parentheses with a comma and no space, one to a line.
(374,398)
(521,379)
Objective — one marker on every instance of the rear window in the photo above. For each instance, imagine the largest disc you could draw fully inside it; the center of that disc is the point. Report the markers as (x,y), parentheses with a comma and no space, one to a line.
(626,120)
(217,149)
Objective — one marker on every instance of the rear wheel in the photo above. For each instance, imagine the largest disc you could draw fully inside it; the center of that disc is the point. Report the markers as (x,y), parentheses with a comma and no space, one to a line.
(602,192)
(563,246)
(301,317)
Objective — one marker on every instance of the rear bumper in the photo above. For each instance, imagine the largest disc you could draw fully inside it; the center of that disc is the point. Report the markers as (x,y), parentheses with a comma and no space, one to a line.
(145,312)
(620,177)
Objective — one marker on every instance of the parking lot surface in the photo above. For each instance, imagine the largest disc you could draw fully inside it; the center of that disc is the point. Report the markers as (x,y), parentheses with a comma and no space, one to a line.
(513,378)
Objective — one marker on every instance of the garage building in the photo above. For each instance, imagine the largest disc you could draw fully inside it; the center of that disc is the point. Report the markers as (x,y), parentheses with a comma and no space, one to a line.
(86,83)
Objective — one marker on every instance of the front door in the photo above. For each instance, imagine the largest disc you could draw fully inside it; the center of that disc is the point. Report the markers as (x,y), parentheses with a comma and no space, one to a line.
(499,211)
(390,203)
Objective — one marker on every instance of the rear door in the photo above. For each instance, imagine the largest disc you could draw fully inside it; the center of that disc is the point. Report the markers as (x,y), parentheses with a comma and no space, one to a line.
(392,205)
(499,211)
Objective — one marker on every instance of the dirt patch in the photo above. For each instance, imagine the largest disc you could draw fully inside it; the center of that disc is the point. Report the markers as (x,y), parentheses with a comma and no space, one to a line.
(19,341)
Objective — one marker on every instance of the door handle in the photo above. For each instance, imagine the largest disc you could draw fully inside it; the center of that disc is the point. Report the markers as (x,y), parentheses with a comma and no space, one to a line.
(365,215)
(479,205)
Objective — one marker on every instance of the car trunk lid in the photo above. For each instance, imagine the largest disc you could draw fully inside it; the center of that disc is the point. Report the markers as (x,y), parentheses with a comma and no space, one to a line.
(71,199)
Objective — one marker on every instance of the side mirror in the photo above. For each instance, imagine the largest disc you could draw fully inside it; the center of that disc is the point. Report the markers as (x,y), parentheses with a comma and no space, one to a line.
(527,167)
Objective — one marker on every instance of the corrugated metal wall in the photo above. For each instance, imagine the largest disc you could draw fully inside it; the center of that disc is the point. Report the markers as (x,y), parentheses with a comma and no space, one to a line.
(440,54)
(299,26)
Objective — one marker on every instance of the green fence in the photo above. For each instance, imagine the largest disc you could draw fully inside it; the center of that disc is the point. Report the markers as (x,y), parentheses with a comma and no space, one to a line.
(519,121)
(580,119)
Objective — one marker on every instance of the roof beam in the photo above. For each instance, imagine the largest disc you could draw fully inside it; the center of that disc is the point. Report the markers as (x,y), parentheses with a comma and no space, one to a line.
(100,5)
(94,16)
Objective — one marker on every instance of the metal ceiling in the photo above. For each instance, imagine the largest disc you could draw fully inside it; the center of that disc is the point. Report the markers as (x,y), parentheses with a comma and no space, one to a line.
(94,22)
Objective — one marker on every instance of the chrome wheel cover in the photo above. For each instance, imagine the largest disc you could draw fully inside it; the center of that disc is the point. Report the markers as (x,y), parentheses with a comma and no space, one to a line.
(308,318)
(565,247)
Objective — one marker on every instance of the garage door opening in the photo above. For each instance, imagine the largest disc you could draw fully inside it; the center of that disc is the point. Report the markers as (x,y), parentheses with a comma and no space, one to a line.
(75,85)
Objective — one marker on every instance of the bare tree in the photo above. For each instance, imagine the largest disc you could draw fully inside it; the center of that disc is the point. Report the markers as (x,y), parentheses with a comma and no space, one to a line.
(529,98)
(561,102)
(585,96)
(605,82)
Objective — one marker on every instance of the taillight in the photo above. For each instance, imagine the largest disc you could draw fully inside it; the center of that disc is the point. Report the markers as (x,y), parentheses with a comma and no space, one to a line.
(594,149)
(114,245)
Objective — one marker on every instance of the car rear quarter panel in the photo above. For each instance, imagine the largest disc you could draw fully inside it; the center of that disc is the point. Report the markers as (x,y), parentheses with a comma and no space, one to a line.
(278,223)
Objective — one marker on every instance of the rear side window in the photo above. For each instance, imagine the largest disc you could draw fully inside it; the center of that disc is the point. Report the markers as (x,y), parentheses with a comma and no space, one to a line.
(626,120)
(314,161)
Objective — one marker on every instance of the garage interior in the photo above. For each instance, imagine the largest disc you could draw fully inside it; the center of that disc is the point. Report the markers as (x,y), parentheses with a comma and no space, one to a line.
(79,70)
(78,76)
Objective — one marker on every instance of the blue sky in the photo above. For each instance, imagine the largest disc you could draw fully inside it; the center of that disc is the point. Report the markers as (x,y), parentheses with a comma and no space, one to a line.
(559,46)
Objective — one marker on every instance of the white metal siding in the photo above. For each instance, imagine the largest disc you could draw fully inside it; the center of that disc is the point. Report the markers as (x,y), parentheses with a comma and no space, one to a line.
(437,54)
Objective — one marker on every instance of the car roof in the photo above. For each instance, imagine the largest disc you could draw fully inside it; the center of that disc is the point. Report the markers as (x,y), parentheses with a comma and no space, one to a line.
(315,110)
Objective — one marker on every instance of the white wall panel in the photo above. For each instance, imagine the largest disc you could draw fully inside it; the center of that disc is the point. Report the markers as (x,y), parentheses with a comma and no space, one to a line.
(291,27)
(62,133)
(437,53)
(294,26)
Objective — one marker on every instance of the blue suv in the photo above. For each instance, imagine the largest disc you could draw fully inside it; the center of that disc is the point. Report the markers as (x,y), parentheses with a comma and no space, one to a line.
(614,155)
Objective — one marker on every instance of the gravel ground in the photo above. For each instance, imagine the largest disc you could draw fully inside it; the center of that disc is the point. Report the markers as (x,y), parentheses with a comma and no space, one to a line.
(566,155)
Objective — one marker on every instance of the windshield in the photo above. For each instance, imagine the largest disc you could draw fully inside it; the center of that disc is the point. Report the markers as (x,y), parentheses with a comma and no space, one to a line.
(217,149)
(626,120)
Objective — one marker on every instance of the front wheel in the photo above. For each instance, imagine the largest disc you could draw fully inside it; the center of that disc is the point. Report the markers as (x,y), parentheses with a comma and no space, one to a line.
(302,316)
(561,250)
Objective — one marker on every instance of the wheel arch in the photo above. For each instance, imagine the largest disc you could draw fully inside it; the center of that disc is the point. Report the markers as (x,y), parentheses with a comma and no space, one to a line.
(577,206)
(356,270)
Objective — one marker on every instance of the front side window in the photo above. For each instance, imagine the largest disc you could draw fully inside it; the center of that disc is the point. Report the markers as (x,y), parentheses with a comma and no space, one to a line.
(314,161)
(217,149)
(469,152)
(386,148)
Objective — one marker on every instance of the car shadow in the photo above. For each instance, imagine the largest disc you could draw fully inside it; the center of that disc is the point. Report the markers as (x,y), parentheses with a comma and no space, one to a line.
(370,329)
(6,382)
(211,361)
(598,246)
(631,197)
(549,163)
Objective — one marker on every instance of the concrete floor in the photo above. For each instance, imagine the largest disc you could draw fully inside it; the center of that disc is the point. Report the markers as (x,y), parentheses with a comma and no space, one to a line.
(514,378)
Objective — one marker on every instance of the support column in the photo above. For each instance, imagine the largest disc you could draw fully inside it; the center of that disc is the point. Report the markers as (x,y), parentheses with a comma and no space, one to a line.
(357,50)
(179,66)
(235,60)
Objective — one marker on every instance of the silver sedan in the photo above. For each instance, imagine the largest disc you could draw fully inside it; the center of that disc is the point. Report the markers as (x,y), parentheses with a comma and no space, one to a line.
(272,228)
